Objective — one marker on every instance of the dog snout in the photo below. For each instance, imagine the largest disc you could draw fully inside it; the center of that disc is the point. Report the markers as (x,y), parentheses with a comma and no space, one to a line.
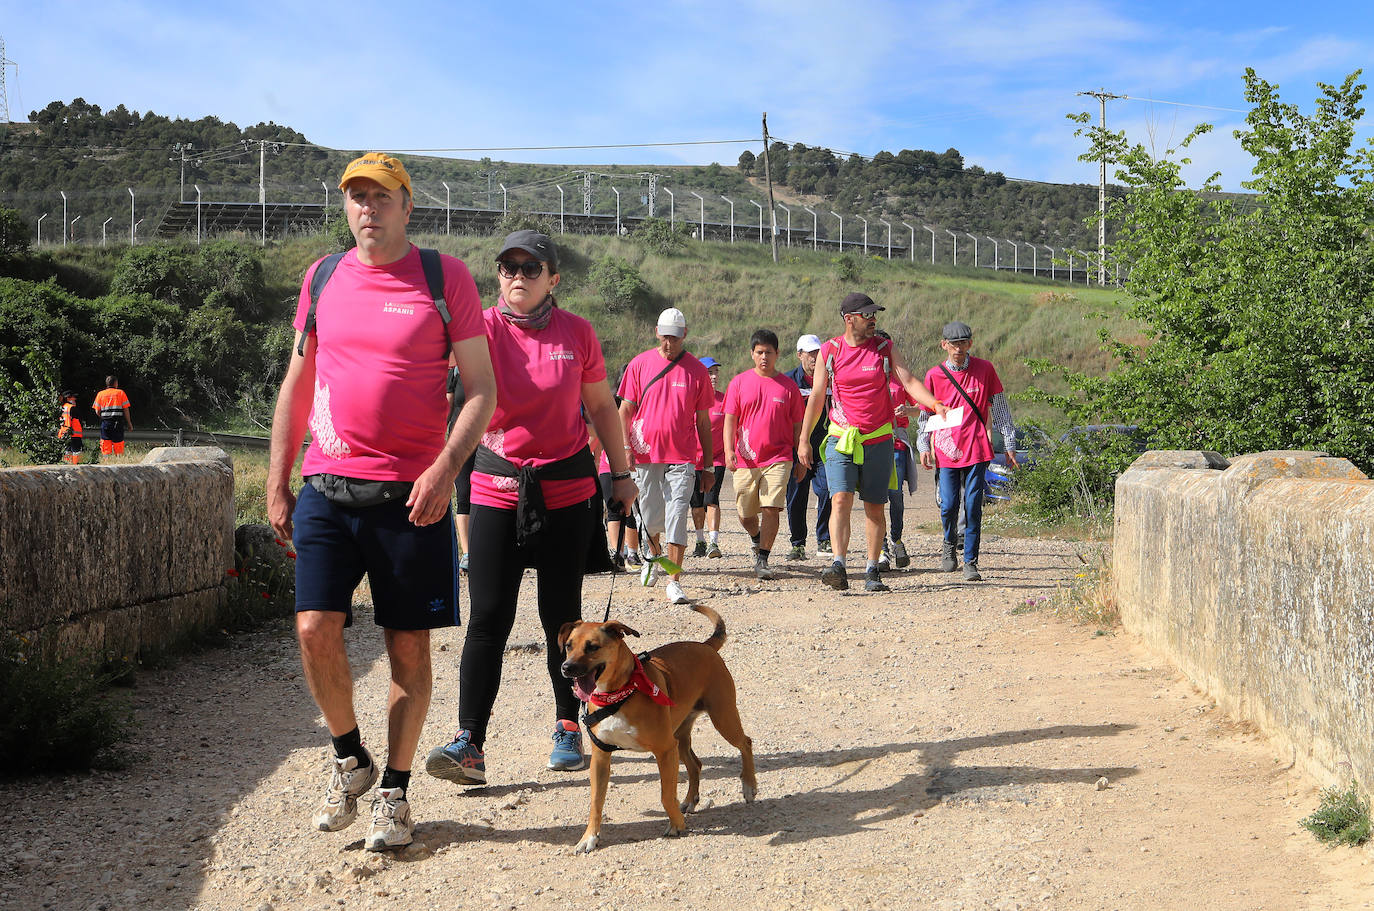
(571,669)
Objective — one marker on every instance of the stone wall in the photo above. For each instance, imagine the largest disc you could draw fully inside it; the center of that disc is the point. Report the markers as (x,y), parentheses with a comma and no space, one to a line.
(1257,578)
(117,560)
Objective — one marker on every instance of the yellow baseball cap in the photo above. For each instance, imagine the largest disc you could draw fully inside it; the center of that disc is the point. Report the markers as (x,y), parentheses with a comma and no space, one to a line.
(387,171)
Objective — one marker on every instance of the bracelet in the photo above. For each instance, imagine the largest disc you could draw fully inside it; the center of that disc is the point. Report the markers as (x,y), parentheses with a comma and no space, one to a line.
(620,475)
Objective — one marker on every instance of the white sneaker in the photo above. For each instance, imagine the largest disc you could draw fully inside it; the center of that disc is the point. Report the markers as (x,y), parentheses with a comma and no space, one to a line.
(648,574)
(676,594)
(347,783)
(391,824)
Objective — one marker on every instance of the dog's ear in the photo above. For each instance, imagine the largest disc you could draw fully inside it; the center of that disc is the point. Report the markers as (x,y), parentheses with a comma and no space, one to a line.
(618,629)
(566,631)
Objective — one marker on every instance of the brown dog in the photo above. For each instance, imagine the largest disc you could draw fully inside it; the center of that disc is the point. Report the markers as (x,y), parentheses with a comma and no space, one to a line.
(652,708)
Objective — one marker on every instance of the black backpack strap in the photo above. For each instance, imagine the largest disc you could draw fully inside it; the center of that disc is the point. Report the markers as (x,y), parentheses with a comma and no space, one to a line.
(323,272)
(434,276)
(976,413)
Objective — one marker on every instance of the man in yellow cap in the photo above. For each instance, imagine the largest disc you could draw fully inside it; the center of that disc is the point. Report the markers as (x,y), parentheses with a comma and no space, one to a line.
(368,377)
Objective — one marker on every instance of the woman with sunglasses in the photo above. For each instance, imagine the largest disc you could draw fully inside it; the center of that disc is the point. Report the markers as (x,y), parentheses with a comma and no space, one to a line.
(535,501)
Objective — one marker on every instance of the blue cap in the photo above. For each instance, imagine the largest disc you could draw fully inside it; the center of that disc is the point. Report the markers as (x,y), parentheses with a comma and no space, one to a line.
(709,362)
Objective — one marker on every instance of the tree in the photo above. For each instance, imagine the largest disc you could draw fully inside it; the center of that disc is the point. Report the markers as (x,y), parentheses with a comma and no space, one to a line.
(1259,316)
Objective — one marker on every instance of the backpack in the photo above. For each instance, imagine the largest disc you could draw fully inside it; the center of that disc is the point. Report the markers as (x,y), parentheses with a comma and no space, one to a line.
(434,277)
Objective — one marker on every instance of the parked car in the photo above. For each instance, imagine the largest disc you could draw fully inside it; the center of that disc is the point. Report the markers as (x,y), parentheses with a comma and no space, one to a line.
(1035,444)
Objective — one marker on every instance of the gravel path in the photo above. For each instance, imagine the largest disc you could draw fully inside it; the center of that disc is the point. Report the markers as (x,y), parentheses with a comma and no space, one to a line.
(924,748)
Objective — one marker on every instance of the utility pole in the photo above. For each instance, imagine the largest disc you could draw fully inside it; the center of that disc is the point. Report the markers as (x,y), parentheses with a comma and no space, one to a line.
(586,192)
(772,204)
(1102,95)
(4,98)
(183,148)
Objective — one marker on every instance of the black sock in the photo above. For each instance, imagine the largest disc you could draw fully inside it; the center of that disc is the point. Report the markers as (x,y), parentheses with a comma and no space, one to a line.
(351,744)
(754,538)
(391,778)
(763,554)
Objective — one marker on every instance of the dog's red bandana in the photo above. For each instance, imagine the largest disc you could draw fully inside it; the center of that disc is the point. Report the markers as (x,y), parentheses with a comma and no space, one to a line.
(638,681)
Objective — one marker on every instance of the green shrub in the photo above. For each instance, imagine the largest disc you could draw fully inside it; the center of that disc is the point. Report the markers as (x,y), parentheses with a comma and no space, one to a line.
(30,413)
(342,235)
(657,236)
(1076,478)
(520,220)
(1342,818)
(849,268)
(56,715)
(619,283)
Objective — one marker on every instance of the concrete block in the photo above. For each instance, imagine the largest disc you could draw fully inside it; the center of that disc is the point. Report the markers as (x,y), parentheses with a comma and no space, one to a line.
(1169,458)
(1258,581)
(188,454)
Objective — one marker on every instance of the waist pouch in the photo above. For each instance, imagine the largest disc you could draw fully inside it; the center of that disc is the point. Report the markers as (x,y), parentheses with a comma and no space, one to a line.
(358,493)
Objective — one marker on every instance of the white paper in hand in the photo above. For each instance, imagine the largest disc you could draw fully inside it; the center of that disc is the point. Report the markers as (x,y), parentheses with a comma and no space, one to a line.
(953,418)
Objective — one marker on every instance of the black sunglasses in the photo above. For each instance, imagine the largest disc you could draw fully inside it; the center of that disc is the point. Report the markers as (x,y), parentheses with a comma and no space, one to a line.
(531,268)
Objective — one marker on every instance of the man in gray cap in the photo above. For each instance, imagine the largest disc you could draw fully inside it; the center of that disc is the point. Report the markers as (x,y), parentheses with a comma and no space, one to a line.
(963,452)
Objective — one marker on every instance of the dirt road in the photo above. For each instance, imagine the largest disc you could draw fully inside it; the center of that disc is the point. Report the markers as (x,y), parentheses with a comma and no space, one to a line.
(925,748)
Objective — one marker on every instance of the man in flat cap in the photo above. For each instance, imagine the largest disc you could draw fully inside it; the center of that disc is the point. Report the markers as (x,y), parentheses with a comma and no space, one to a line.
(961,454)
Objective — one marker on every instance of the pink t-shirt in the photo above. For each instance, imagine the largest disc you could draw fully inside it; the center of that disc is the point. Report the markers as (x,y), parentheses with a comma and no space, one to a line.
(766,411)
(538,418)
(899,396)
(967,444)
(718,428)
(381,363)
(858,388)
(664,429)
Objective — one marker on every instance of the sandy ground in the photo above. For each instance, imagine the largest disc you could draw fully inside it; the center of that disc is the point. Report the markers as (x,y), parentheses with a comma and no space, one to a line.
(923,748)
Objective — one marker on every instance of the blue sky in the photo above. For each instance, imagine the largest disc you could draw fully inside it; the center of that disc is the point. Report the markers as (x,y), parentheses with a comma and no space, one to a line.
(994,80)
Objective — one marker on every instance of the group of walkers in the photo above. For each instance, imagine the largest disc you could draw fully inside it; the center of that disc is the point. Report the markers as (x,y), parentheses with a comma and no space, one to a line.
(386,328)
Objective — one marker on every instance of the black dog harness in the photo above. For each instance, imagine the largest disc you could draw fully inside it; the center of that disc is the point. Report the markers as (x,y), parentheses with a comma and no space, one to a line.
(606,711)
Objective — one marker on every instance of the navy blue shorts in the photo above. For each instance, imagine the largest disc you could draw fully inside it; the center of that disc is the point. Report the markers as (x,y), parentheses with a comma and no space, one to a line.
(112,430)
(413,570)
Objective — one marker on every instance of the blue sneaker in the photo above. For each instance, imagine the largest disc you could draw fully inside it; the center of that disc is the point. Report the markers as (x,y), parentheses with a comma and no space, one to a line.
(463,563)
(567,748)
(458,761)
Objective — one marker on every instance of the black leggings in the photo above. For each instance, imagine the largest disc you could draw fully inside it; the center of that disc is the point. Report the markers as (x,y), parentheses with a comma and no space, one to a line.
(558,554)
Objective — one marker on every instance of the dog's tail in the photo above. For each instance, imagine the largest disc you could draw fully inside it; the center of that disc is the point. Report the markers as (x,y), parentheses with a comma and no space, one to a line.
(717,637)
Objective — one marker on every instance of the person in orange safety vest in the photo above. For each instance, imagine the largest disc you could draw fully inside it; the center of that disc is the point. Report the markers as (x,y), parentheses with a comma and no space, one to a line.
(112,407)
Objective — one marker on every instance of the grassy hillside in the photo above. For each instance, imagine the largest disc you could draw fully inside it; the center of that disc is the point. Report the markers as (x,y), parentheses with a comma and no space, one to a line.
(728,291)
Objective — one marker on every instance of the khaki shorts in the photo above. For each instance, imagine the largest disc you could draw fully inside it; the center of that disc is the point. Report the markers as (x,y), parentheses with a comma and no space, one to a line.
(761,488)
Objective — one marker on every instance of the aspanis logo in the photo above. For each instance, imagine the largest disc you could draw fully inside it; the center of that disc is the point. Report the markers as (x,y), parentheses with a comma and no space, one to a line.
(562,356)
(405,309)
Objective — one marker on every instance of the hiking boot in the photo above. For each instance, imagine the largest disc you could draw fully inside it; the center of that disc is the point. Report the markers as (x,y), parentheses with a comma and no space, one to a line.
(458,761)
(713,551)
(391,823)
(836,577)
(948,563)
(900,558)
(762,570)
(873,582)
(347,783)
(567,748)
(823,550)
(631,558)
(676,594)
(617,560)
(971,573)
(884,560)
(700,549)
(797,553)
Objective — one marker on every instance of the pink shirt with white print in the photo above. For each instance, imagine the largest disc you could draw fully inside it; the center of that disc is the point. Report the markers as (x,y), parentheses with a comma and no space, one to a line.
(664,429)
(967,444)
(381,365)
(718,428)
(538,418)
(858,388)
(766,410)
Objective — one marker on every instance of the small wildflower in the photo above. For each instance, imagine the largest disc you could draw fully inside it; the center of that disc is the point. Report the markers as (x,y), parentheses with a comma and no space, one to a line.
(291,554)
(232,572)
(280,541)
(266,595)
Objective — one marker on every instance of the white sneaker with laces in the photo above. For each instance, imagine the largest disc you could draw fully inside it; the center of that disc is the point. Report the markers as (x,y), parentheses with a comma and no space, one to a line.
(676,594)
(391,823)
(648,574)
(347,783)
